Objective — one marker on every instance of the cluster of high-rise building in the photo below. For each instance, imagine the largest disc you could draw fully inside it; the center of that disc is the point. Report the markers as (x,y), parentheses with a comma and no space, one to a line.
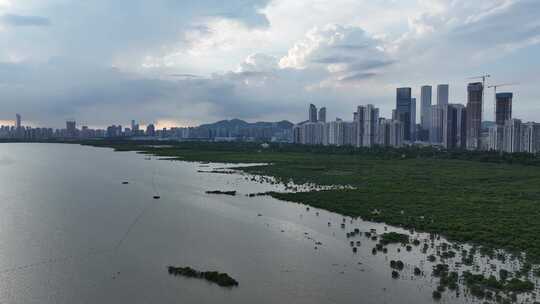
(226,130)
(444,124)
(365,130)
(441,123)
(20,132)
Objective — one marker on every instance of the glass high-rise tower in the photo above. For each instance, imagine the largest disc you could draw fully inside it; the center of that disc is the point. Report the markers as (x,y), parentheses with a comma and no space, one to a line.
(474,114)
(403,110)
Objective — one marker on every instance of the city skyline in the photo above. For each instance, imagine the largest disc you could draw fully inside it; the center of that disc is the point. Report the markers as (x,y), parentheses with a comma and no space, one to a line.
(442,124)
(433,96)
(191,64)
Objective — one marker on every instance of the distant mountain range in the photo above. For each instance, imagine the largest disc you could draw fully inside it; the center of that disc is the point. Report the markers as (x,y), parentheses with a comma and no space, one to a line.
(238,124)
(237,128)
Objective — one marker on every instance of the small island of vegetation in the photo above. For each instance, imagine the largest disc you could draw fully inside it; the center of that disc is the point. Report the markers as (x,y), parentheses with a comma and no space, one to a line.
(222,279)
(231,193)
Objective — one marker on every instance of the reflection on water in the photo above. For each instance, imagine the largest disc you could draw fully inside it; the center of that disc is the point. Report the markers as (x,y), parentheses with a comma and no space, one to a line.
(72,231)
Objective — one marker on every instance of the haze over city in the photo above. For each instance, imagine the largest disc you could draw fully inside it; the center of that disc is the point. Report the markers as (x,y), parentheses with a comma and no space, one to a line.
(183,64)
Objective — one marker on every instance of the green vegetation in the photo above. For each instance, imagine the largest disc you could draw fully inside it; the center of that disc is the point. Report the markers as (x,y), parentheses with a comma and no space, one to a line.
(231,193)
(504,274)
(440,270)
(477,197)
(448,254)
(436,295)
(394,237)
(479,285)
(399,265)
(518,286)
(222,279)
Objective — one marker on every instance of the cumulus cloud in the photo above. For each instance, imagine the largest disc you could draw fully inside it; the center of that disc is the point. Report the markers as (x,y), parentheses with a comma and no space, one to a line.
(259,62)
(348,53)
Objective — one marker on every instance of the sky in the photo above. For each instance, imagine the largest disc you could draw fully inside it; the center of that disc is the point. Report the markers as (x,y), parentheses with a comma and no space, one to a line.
(182,63)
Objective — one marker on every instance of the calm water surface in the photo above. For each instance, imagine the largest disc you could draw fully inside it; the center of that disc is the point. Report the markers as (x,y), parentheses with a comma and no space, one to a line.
(71,232)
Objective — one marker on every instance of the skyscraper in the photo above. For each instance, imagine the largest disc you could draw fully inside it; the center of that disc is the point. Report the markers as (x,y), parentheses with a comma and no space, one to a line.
(512,136)
(474,114)
(531,137)
(425,108)
(495,137)
(383,132)
(413,119)
(403,110)
(442,94)
(349,133)
(335,132)
(322,114)
(397,132)
(453,127)
(503,108)
(19,131)
(461,124)
(437,120)
(449,130)
(150,130)
(503,112)
(389,133)
(17,121)
(71,128)
(312,113)
(360,125)
(371,119)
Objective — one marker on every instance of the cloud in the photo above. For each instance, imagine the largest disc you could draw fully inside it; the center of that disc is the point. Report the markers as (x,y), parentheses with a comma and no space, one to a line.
(357,77)
(104,62)
(19,20)
(187,76)
(463,28)
(348,53)
(259,62)
(120,33)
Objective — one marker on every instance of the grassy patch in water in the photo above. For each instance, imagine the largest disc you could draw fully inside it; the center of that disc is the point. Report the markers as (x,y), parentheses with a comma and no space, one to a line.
(222,279)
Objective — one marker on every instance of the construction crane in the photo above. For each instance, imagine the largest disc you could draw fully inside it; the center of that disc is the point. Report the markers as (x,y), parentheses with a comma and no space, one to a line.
(484,78)
(495,86)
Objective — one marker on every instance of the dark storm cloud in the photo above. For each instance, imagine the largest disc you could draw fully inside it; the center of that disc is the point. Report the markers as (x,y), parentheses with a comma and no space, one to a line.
(358,77)
(19,20)
(371,64)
